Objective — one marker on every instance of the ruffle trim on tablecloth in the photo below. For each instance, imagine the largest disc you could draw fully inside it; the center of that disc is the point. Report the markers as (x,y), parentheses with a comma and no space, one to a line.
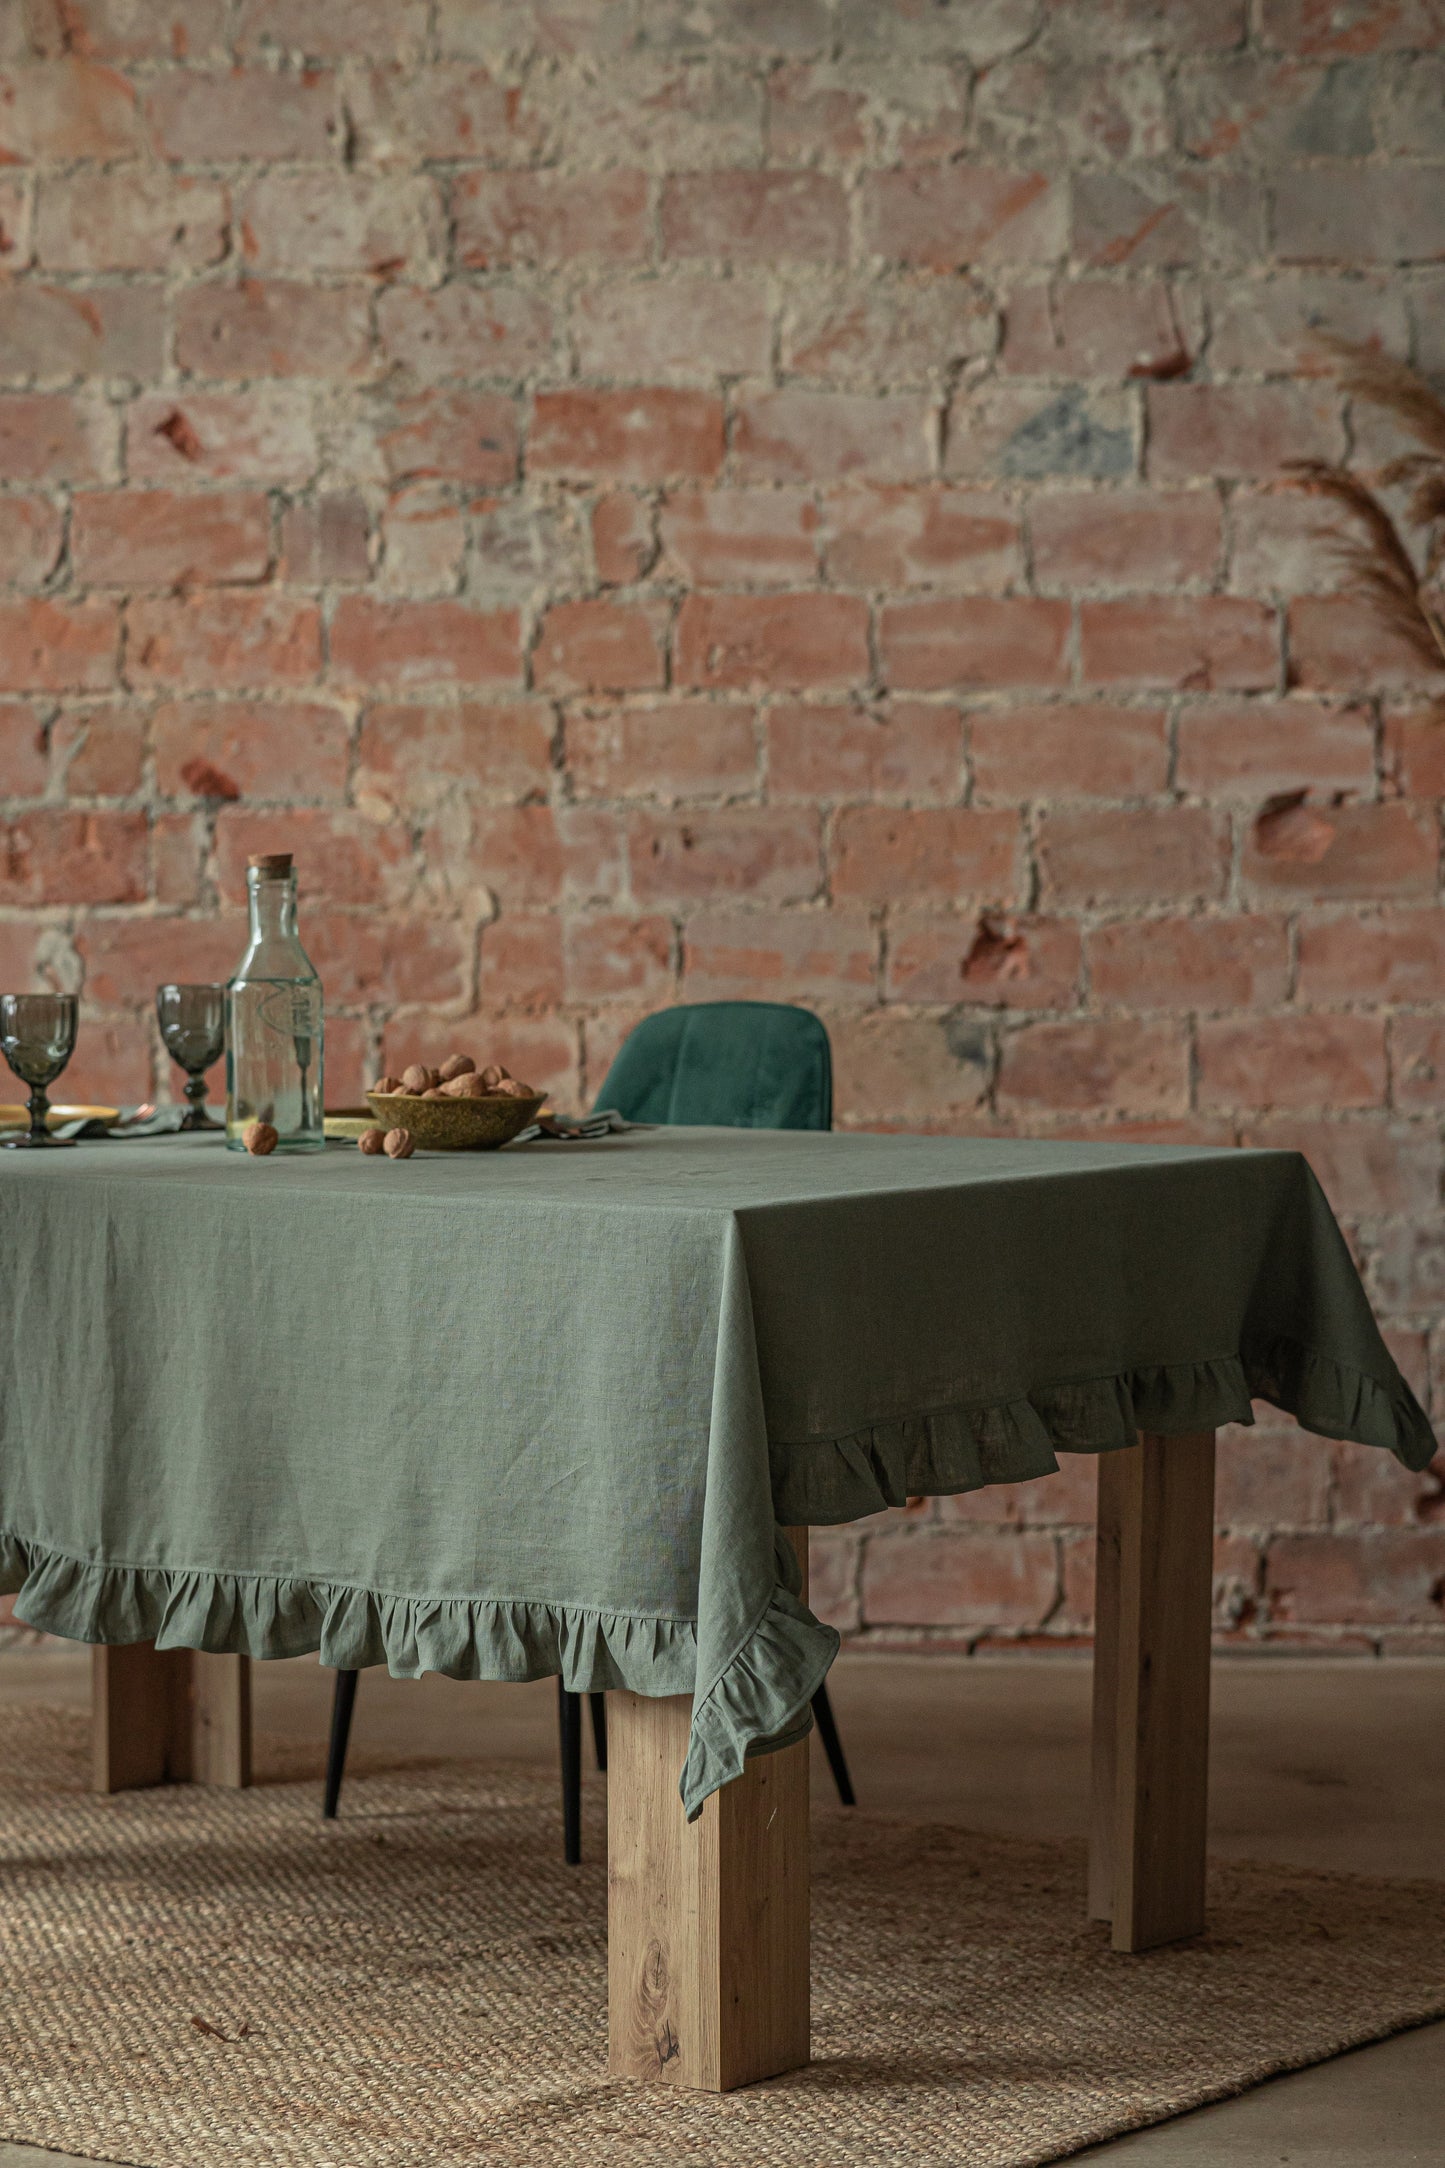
(826,1480)
(760,1702)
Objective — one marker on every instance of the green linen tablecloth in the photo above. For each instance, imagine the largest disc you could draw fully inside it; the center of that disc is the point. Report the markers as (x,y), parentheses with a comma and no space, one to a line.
(548,1410)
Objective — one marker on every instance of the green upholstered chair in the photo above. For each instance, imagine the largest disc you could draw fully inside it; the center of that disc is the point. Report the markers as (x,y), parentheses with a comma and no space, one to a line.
(723,1064)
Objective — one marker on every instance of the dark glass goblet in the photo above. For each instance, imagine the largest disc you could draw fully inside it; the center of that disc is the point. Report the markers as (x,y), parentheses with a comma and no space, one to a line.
(193,1025)
(37,1038)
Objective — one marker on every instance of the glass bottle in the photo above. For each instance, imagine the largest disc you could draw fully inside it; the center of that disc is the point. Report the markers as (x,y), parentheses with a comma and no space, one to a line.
(274,1019)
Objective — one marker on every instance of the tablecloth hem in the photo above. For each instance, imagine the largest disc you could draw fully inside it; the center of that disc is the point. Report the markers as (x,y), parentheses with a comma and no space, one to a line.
(968,1446)
(762,1699)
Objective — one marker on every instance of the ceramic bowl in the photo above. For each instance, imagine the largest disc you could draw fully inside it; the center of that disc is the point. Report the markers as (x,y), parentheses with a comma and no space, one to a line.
(455,1125)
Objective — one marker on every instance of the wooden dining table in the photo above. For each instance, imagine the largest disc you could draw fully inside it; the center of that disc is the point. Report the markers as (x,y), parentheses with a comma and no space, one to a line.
(571,1408)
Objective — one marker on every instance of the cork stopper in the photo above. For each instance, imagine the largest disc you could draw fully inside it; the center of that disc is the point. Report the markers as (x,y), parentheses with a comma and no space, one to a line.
(273,865)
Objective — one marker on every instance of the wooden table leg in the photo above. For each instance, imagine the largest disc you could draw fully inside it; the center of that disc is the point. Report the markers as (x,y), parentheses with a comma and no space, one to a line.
(707,1922)
(1151,1689)
(168,1716)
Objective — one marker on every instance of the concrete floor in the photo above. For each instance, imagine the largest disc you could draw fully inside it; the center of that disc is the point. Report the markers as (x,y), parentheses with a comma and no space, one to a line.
(1330,1763)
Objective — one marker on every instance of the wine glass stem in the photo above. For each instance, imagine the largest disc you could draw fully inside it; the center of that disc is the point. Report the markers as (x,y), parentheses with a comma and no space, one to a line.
(39,1108)
(196,1088)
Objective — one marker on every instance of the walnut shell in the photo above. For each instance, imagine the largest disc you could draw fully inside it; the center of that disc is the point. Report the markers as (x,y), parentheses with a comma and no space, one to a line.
(371,1140)
(387,1084)
(436,1092)
(468,1086)
(398,1144)
(511,1088)
(454,1066)
(259,1138)
(492,1075)
(418,1079)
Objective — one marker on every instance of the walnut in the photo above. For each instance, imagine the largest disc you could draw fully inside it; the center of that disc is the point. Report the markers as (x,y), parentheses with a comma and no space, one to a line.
(469,1086)
(371,1141)
(259,1138)
(492,1075)
(417,1079)
(435,1092)
(398,1144)
(510,1087)
(456,1065)
(386,1085)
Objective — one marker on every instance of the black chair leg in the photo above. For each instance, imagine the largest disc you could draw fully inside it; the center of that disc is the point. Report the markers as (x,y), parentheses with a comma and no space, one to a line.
(832,1746)
(598,1705)
(343,1701)
(569,1725)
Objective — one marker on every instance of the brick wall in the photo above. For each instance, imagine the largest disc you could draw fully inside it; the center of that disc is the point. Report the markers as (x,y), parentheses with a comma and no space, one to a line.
(667,499)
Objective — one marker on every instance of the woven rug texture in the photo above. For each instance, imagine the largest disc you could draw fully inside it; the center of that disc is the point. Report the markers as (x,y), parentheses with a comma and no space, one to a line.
(194,1978)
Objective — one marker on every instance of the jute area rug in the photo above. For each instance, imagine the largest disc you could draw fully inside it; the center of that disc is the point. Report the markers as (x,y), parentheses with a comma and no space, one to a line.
(193,1978)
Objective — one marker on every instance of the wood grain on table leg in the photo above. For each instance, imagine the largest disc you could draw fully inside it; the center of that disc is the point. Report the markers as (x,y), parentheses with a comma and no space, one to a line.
(168,1716)
(708,1922)
(1151,1689)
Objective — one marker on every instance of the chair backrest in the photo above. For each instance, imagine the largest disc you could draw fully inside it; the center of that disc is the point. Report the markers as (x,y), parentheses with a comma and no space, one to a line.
(729,1064)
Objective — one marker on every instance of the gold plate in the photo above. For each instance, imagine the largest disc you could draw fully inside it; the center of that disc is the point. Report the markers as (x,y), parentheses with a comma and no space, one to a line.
(19,1117)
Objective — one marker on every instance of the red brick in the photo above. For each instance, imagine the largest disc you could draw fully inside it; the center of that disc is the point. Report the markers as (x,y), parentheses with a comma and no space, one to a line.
(1075,750)
(1338,644)
(126,959)
(1127,539)
(909,1072)
(24,761)
(405,644)
(1238,429)
(97,750)
(601,646)
(623,543)
(60,331)
(325,541)
(1322,30)
(1280,542)
(368,957)
(1375,851)
(1004,1583)
(30,538)
(143,219)
(512,218)
(341,857)
(465,436)
(1417,1061)
(930,537)
(402,116)
(1190,963)
(994,961)
(699,328)
(1015,431)
(1066,1499)
(253,114)
(1291,1061)
(626,436)
(755,217)
(1390,1577)
(465,331)
(113,1062)
(1105,1065)
(413,757)
(1262,748)
(518,853)
(760,852)
(1415,752)
(1095,327)
(1367,1168)
(799,436)
(253,437)
(1200,645)
(791,642)
(1386,956)
(780,956)
(940,853)
(336,221)
(161,538)
(423,541)
(979,641)
(276,751)
(50,437)
(904,749)
(389,29)
(607,957)
(49,856)
(119,30)
(810,121)
(902,329)
(521,961)
(56,647)
(274,327)
(1271,1481)
(219,638)
(761,537)
(1361,214)
(686,749)
(1164,218)
(944,217)
(1150,854)
(66,109)
(1372,1490)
